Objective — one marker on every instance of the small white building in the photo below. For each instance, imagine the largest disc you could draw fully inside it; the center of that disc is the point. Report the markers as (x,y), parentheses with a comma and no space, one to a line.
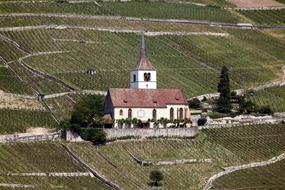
(143,100)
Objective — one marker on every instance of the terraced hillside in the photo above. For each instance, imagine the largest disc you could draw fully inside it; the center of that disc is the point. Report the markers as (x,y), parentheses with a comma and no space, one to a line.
(41,157)
(71,52)
(225,147)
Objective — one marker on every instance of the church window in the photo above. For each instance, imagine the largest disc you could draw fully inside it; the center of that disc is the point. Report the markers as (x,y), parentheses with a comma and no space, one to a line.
(154,114)
(146,76)
(171,114)
(181,113)
(121,112)
(130,113)
(134,78)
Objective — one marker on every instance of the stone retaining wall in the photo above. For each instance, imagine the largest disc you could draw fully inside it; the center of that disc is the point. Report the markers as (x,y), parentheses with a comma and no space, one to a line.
(144,133)
(26,137)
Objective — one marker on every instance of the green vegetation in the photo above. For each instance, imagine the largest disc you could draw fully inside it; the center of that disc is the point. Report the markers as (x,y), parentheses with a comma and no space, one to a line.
(131,9)
(10,83)
(266,17)
(169,10)
(42,157)
(196,60)
(156,177)
(267,177)
(13,121)
(224,101)
(225,147)
(47,183)
(274,97)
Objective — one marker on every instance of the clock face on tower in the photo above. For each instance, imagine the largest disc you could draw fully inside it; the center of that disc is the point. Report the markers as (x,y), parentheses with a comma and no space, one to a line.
(146,76)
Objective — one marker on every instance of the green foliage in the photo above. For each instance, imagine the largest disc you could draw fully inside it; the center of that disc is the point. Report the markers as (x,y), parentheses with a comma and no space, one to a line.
(224,101)
(156,177)
(247,106)
(195,103)
(87,109)
(95,135)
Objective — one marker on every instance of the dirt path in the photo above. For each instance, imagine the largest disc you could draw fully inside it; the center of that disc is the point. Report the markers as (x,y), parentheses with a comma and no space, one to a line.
(232,169)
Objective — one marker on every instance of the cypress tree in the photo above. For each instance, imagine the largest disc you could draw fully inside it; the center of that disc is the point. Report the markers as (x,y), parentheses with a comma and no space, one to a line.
(224,101)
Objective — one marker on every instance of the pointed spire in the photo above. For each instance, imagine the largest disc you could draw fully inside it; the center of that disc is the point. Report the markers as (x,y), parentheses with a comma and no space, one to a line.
(143,63)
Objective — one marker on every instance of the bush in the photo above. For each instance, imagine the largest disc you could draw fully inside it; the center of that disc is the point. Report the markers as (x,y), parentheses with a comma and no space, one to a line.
(265,110)
(195,103)
(202,121)
(156,176)
(95,135)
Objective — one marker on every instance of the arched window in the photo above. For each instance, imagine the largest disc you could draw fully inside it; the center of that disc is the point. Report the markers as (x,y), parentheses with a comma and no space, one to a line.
(130,113)
(181,113)
(171,114)
(154,114)
(121,112)
(134,78)
(146,77)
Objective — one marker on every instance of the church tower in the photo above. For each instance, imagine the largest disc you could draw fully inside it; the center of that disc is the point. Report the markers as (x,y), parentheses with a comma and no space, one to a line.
(143,76)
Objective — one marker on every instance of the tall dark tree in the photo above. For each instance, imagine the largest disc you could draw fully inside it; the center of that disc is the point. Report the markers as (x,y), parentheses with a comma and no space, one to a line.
(224,101)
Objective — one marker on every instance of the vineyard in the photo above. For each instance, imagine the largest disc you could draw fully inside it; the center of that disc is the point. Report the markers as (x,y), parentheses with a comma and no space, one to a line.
(266,17)
(130,9)
(274,97)
(196,59)
(267,177)
(225,147)
(42,157)
(19,120)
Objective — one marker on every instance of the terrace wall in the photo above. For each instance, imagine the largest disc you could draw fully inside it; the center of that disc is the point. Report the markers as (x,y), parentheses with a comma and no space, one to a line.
(144,133)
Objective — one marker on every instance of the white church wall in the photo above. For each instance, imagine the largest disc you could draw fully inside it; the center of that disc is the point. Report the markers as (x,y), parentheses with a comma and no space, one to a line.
(146,113)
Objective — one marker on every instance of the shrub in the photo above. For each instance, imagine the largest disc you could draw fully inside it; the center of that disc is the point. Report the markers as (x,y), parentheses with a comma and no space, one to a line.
(202,121)
(195,103)
(156,176)
(95,135)
(265,110)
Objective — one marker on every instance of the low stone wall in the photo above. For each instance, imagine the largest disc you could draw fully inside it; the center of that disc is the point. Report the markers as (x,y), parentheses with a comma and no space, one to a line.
(144,133)
(26,137)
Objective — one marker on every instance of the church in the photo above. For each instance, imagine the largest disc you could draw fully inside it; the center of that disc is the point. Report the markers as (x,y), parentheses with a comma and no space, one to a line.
(143,100)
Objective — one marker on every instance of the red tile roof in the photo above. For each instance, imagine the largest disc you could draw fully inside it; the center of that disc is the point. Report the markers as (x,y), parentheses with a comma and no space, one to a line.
(144,98)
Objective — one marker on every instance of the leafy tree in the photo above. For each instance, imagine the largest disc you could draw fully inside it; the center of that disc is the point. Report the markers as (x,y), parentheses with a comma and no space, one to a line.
(156,176)
(224,101)
(195,103)
(247,106)
(86,109)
